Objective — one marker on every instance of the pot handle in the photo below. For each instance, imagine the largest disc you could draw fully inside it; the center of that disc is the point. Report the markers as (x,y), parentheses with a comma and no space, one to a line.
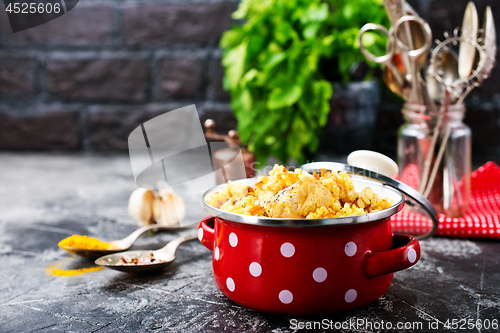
(405,253)
(206,233)
(417,199)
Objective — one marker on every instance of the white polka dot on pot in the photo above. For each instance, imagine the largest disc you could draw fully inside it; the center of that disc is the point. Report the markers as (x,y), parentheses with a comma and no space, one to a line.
(200,234)
(216,253)
(255,269)
(319,274)
(233,239)
(287,250)
(350,249)
(230,284)
(350,295)
(412,255)
(285,296)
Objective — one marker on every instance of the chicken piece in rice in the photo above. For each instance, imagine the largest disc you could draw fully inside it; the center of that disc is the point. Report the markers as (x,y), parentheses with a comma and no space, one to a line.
(299,199)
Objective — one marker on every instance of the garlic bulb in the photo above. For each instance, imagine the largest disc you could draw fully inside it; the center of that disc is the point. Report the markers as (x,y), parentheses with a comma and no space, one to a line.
(172,208)
(140,206)
(148,207)
(156,209)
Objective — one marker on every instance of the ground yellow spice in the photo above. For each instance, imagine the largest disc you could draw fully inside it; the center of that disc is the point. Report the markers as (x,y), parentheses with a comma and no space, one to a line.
(85,242)
(72,272)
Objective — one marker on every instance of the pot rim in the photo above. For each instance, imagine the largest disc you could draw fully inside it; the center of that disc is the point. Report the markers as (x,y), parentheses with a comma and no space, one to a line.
(413,198)
(303,222)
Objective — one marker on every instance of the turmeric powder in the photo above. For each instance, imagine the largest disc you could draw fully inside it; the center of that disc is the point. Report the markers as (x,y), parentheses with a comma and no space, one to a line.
(57,268)
(85,242)
(72,272)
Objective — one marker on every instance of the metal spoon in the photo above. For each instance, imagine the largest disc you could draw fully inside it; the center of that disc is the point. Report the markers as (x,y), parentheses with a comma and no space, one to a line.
(489,43)
(434,88)
(392,83)
(467,51)
(395,81)
(164,257)
(447,67)
(449,61)
(119,245)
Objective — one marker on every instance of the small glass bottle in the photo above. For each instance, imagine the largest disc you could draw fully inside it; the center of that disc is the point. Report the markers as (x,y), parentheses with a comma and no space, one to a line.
(434,156)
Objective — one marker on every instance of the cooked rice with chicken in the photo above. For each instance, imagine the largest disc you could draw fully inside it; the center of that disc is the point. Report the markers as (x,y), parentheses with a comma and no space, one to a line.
(298,194)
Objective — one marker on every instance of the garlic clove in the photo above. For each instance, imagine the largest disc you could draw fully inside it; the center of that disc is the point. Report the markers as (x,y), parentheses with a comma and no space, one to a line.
(140,206)
(173,209)
(156,207)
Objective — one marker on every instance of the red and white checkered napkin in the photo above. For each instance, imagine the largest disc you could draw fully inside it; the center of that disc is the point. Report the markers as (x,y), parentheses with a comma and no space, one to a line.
(483,216)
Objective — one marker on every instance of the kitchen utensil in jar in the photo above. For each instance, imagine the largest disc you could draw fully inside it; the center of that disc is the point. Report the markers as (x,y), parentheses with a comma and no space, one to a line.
(390,79)
(455,90)
(467,51)
(488,42)
(409,80)
(448,64)
(386,59)
(417,95)
(395,10)
(412,35)
(414,144)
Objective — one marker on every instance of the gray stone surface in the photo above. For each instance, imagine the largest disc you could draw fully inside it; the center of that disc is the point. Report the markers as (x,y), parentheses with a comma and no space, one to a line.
(47,197)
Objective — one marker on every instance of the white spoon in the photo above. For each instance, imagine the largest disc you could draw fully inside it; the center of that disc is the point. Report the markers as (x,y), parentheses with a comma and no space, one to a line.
(373,161)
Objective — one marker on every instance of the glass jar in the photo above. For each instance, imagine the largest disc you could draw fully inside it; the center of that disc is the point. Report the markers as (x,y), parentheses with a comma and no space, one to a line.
(434,156)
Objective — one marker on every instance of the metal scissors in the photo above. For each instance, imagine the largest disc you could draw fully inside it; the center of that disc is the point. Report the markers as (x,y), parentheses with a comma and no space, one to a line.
(411,74)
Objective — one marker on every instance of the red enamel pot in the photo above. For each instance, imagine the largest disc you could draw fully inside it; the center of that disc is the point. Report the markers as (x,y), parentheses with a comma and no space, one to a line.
(303,267)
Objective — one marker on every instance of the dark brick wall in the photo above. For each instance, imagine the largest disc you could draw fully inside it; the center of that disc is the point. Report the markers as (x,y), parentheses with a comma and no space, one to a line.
(86,79)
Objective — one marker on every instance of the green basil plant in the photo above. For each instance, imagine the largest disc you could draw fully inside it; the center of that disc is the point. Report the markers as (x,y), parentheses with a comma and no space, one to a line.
(279,64)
